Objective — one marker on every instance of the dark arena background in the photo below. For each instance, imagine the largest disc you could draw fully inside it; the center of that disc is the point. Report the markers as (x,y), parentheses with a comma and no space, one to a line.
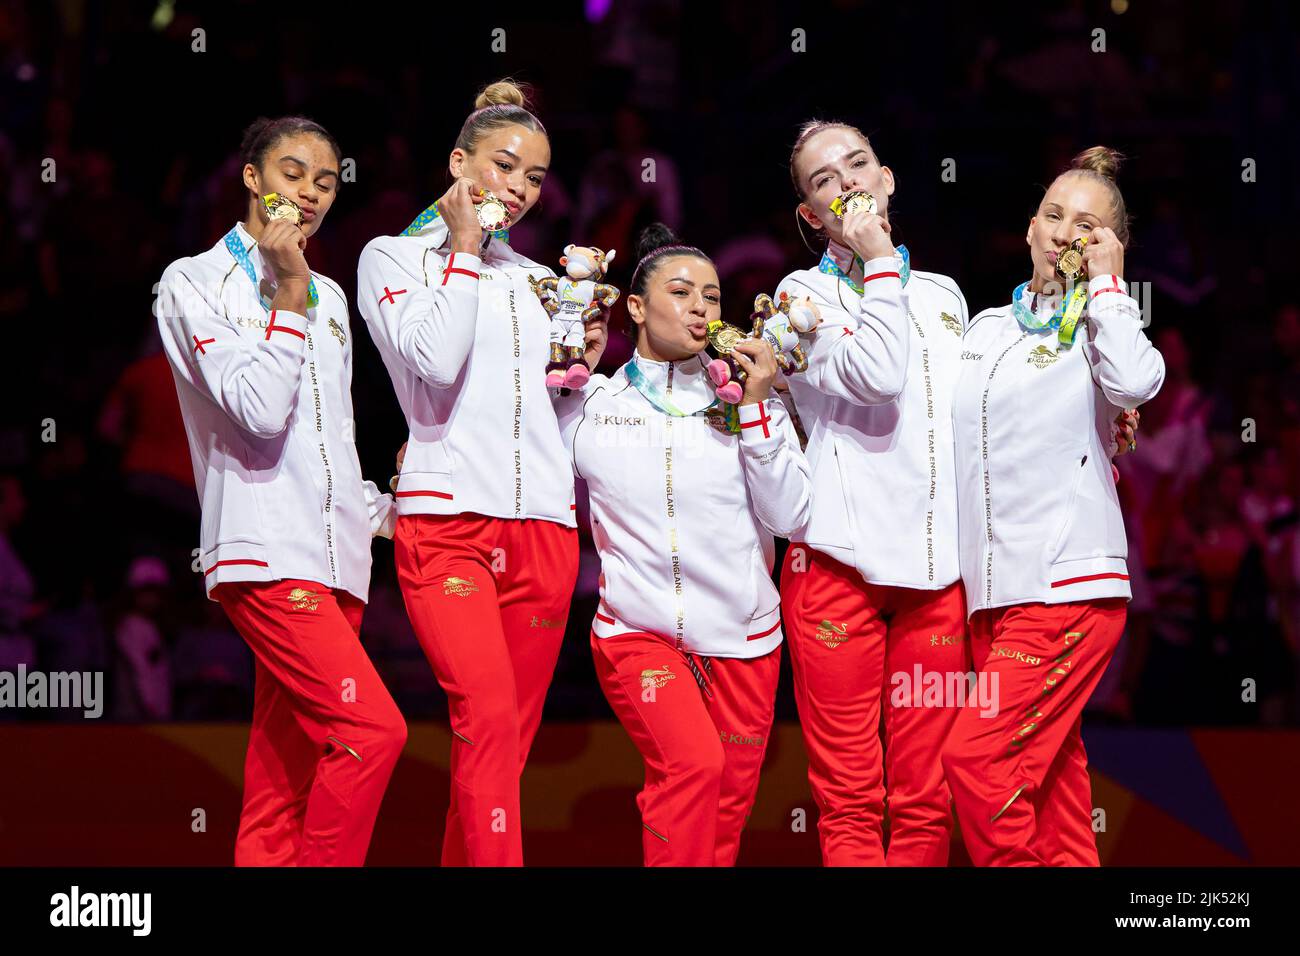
(118,154)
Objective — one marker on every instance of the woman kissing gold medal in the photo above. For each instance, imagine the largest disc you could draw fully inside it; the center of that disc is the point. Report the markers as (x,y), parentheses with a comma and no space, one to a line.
(281,207)
(856,201)
(1069,264)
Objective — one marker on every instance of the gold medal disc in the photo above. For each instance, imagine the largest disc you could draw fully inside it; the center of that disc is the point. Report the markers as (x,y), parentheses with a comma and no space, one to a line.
(723,337)
(1069,264)
(492,213)
(278,207)
(853,202)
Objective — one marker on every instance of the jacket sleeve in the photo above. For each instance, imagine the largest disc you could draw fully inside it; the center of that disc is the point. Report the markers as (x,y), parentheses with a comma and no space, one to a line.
(1125,365)
(865,364)
(253,381)
(379,507)
(428,328)
(776,471)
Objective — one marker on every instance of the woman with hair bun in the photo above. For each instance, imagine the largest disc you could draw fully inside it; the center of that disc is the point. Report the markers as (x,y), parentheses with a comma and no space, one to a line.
(486,543)
(686,495)
(261,351)
(1041,535)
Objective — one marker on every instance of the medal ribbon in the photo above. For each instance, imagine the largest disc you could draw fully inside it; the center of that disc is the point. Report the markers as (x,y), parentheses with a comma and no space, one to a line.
(659,400)
(829,266)
(431,213)
(1065,319)
(235,245)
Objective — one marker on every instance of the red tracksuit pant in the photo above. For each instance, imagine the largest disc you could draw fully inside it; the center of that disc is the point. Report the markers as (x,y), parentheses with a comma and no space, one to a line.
(850,643)
(1019,778)
(325,735)
(488,598)
(703,746)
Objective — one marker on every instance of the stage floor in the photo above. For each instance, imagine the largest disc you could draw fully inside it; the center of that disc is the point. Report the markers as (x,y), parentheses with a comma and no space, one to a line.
(127,796)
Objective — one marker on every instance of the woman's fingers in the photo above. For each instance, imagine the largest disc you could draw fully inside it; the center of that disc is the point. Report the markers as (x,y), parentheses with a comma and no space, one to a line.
(474,191)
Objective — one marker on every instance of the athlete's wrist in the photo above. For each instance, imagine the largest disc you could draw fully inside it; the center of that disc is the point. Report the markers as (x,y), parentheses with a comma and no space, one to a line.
(464,245)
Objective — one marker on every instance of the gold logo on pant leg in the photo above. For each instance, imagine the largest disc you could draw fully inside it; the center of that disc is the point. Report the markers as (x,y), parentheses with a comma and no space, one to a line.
(749,740)
(945,640)
(461,587)
(1061,667)
(656,678)
(830,635)
(303,600)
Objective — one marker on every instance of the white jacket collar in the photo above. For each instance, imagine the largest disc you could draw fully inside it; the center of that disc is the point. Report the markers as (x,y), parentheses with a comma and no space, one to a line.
(849,261)
(438,235)
(690,385)
(846,259)
(1040,304)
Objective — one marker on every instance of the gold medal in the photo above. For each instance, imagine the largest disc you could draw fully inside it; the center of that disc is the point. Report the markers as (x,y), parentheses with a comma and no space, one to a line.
(492,213)
(853,202)
(723,337)
(1069,264)
(278,207)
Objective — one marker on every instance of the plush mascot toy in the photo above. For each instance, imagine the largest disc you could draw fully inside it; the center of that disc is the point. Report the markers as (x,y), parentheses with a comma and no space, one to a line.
(572,300)
(780,324)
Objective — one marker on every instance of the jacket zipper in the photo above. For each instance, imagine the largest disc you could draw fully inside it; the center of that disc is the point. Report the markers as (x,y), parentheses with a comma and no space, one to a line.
(675,561)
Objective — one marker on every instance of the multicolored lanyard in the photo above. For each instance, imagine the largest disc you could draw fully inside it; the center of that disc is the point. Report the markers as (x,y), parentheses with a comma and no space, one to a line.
(431,213)
(1065,319)
(829,266)
(236,247)
(659,400)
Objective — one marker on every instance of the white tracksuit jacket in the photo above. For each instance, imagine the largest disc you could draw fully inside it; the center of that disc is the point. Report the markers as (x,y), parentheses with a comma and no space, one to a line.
(466,341)
(875,404)
(267,403)
(683,511)
(1040,517)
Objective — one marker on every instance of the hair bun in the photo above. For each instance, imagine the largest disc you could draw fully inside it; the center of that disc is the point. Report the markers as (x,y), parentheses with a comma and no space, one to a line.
(502,93)
(1099,159)
(655,236)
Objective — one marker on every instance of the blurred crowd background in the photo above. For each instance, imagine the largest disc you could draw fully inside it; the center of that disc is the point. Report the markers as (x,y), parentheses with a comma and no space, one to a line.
(98,517)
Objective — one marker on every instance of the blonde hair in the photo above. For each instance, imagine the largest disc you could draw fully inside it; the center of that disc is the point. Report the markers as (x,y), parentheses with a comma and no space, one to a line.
(806,132)
(1101,164)
(503,103)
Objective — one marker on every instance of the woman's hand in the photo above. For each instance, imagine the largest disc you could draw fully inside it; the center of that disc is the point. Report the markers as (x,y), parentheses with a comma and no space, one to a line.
(1104,254)
(595,338)
(1125,431)
(456,207)
(392,482)
(758,361)
(867,234)
(282,244)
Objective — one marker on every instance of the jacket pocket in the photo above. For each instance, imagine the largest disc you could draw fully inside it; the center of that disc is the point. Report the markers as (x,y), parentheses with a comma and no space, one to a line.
(833,524)
(758,574)
(1067,523)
